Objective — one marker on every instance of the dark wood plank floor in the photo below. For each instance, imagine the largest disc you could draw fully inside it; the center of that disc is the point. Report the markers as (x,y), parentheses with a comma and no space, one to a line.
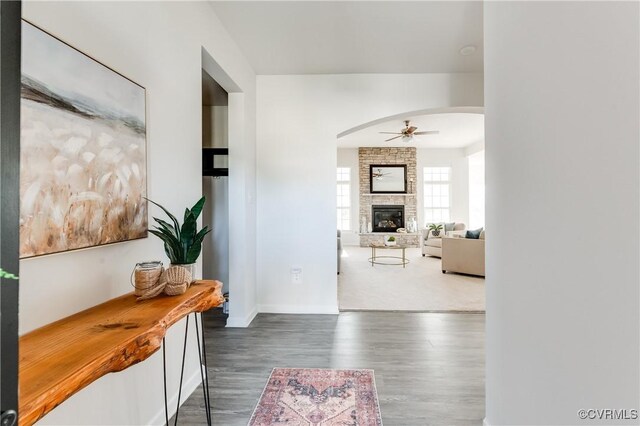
(429,367)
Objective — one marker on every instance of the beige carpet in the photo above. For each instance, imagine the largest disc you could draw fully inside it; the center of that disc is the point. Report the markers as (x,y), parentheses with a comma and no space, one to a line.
(421,286)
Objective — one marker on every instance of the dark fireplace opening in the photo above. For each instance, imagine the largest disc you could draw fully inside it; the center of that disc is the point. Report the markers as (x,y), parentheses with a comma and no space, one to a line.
(387,218)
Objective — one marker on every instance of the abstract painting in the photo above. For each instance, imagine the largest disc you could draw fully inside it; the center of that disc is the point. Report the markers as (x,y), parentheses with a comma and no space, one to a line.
(83,150)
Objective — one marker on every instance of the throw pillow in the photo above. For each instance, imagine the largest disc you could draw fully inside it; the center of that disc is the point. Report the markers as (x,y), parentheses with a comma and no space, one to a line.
(448,227)
(474,235)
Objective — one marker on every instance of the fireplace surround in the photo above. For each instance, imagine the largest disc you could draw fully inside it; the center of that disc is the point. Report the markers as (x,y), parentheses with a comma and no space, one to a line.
(387,156)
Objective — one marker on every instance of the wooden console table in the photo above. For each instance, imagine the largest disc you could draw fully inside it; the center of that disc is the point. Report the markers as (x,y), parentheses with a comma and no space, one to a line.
(63,357)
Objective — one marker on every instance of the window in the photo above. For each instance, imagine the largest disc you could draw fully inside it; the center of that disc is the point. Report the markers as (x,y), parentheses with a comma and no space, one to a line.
(437,201)
(344,198)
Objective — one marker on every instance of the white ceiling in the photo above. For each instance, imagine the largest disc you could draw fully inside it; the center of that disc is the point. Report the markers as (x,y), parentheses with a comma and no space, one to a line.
(335,37)
(457,130)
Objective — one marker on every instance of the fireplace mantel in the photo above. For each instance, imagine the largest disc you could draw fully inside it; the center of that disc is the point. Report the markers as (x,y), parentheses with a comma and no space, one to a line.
(388,233)
(386,194)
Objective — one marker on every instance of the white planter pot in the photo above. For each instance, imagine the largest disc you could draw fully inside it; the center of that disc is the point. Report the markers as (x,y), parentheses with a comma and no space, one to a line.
(191,267)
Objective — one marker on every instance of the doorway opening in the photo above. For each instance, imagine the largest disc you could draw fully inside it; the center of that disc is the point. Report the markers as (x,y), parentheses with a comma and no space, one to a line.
(427,261)
(215,181)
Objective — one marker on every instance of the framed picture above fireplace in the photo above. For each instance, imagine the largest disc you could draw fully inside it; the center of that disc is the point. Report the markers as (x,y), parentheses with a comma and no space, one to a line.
(388,179)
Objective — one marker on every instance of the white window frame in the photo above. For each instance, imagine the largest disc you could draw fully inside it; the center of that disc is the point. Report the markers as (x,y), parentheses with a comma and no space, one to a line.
(445,211)
(344,209)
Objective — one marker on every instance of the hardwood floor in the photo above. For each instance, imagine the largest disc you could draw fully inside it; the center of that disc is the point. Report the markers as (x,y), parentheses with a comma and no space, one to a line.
(429,367)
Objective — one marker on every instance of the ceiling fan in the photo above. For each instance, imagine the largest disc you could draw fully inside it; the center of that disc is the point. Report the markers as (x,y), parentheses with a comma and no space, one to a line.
(409,132)
(378,174)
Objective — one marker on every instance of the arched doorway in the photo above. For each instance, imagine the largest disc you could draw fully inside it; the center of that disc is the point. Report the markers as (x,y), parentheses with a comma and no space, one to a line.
(443,184)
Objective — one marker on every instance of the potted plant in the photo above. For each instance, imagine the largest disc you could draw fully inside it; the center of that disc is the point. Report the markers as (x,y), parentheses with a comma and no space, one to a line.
(7,275)
(390,241)
(435,229)
(182,243)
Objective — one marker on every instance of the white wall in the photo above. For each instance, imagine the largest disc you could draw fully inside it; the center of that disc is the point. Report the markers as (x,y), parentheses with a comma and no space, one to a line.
(459,186)
(215,215)
(562,159)
(242,208)
(215,126)
(348,157)
(299,118)
(159,46)
(215,246)
(476,190)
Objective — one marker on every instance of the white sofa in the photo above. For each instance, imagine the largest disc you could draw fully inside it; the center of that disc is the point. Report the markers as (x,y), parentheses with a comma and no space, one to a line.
(463,255)
(432,245)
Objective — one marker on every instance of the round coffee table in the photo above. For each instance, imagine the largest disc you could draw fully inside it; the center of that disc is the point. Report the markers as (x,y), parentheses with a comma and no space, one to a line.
(400,260)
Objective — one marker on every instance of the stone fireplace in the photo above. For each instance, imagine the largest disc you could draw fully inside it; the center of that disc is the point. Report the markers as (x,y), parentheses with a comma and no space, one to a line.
(393,210)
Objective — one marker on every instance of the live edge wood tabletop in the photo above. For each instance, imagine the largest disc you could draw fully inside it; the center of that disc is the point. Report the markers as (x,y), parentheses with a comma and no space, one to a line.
(63,357)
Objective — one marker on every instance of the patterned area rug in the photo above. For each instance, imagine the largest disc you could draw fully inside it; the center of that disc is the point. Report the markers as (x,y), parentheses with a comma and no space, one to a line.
(317,397)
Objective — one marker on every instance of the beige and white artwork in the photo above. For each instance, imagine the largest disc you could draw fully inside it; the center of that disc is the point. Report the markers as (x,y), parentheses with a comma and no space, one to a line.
(83,150)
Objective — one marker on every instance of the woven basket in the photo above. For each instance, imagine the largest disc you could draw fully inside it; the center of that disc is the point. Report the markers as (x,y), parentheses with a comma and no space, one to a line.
(177,280)
(146,277)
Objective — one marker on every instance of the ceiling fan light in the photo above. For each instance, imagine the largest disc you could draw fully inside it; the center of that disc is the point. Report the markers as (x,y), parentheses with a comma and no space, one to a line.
(407,138)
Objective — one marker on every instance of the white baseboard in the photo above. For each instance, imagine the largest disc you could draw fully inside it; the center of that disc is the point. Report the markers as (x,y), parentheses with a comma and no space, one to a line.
(485,422)
(188,387)
(299,309)
(234,321)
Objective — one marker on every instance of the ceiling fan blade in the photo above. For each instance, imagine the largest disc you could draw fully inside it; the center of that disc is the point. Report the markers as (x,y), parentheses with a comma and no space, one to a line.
(428,132)
(411,129)
(390,133)
(393,138)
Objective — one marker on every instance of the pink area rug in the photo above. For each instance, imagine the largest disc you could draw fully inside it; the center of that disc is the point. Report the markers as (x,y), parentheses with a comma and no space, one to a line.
(317,397)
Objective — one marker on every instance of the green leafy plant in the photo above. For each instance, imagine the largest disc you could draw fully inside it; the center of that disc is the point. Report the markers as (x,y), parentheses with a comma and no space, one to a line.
(435,229)
(182,243)
(391,238)
(7,275)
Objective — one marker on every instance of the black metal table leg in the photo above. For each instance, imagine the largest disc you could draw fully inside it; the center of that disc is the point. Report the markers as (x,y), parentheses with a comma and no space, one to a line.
(205,384)
(184,353)
(164,373)
(204,374)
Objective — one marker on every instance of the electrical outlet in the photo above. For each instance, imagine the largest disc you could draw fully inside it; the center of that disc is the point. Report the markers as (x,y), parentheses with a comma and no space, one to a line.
(296,275)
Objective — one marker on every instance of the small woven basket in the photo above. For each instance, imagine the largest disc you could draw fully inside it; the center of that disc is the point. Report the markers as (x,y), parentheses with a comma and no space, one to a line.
(177,280)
